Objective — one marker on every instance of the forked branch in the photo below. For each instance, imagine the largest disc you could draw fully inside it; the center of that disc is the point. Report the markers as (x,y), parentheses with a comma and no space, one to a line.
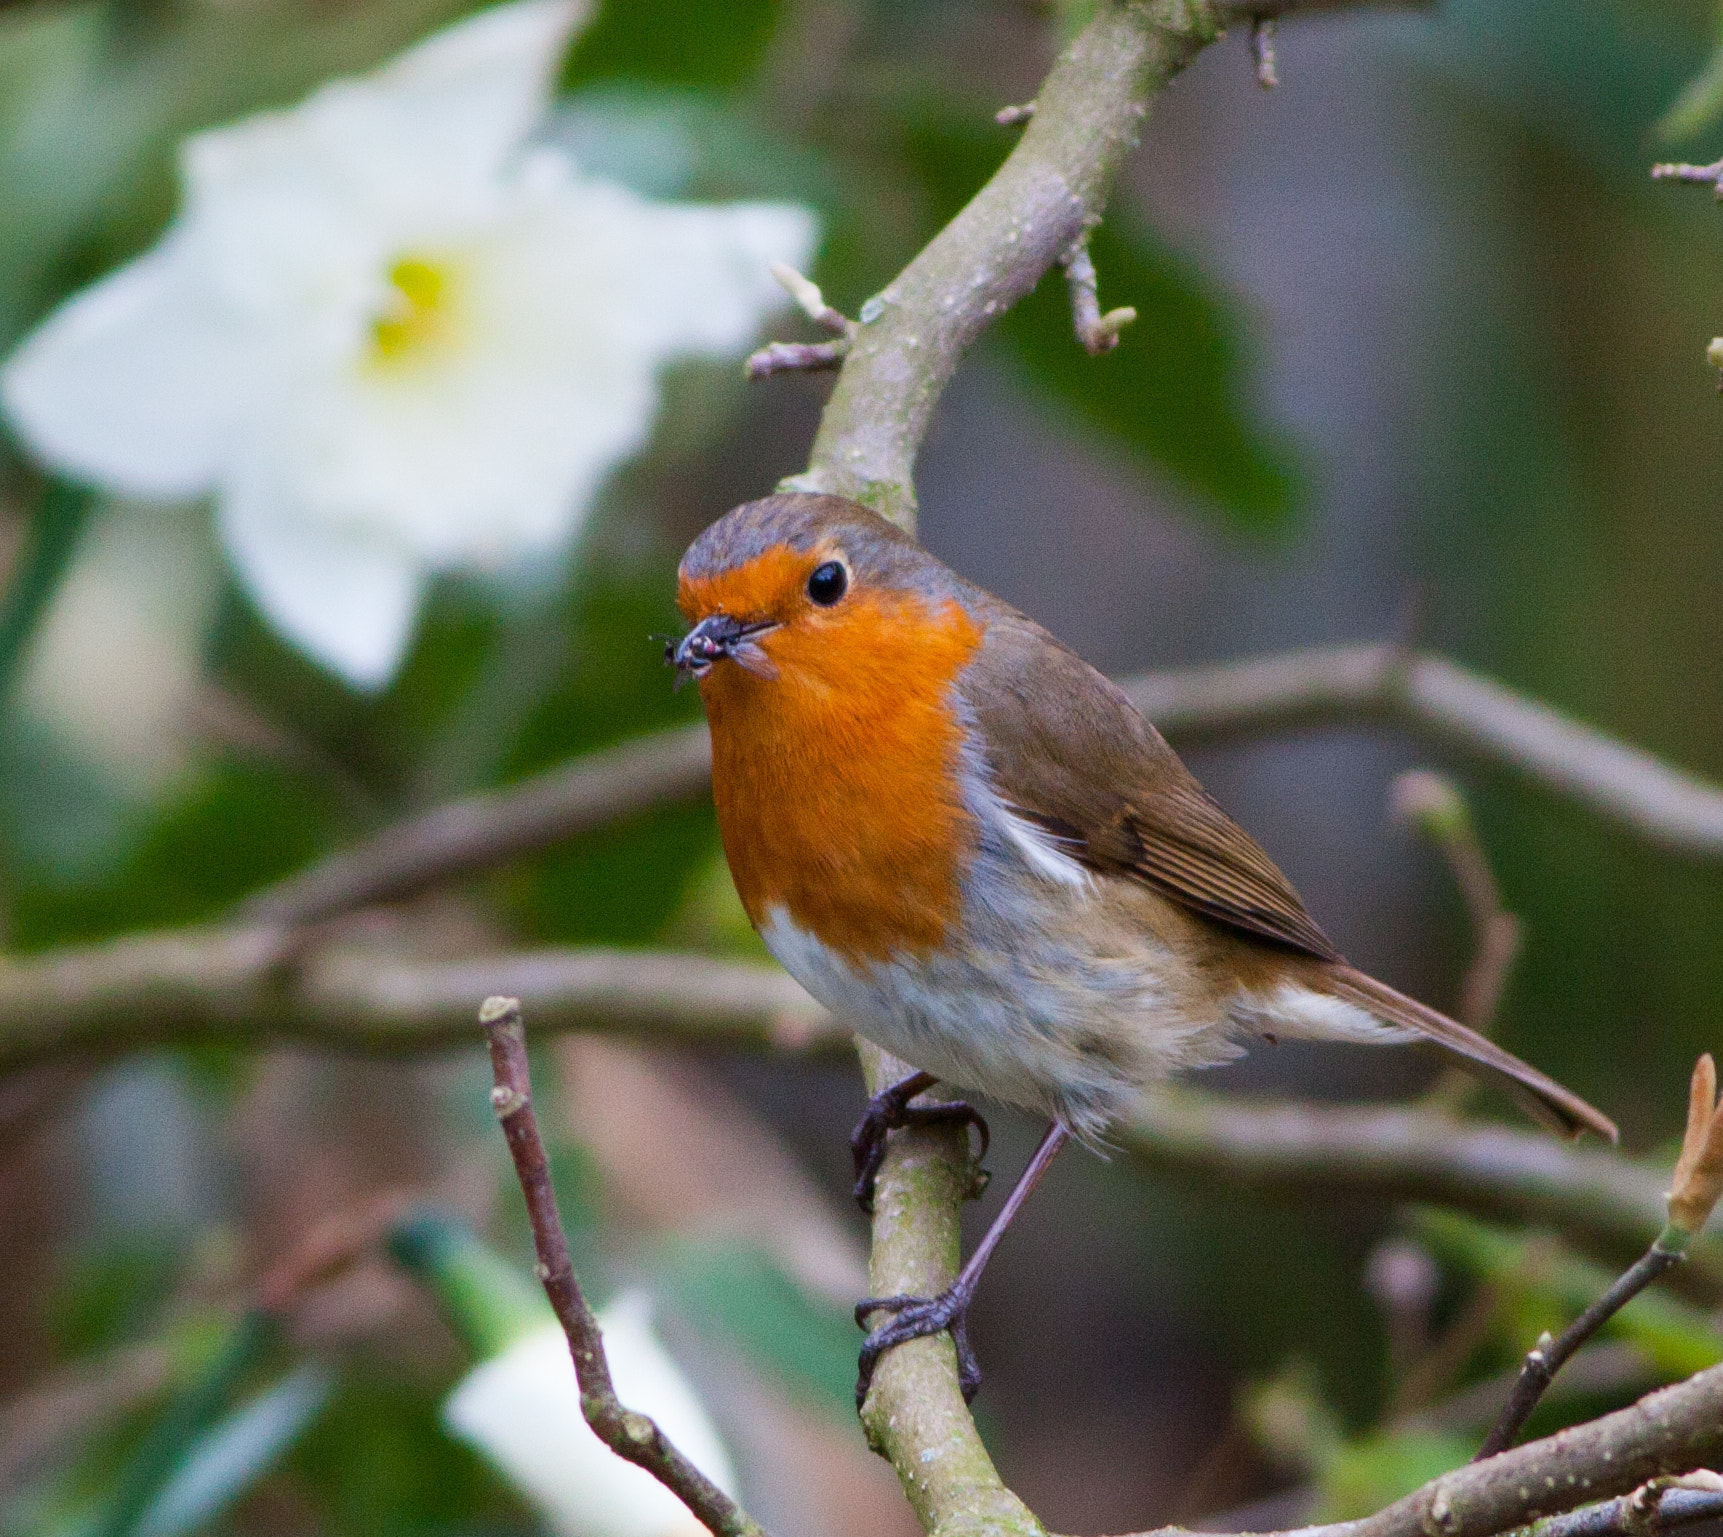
(626,1432)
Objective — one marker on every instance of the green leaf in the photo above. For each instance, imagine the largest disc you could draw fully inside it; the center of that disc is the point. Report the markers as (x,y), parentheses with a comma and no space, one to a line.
(1699,105)
(718,43)
(163,1450)
(232,1455)
(1366,1475)
(378,1462)
(44,557)
(237,829)
(484,1299)
(802,1340)
(1679,1338)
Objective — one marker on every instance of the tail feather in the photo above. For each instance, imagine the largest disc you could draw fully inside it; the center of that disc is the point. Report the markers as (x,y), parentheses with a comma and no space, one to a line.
(1544,1098)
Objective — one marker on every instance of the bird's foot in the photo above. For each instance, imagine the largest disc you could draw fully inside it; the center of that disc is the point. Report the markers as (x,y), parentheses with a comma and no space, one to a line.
(913,1318)
(889,1110)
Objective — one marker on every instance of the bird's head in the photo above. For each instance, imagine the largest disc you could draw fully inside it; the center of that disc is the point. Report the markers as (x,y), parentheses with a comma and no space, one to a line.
(813,587)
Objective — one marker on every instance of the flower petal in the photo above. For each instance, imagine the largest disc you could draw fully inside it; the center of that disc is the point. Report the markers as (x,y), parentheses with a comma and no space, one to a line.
(345,594)
(707,270)
(429,130)
(133,383)
(521,1409)
(491,450)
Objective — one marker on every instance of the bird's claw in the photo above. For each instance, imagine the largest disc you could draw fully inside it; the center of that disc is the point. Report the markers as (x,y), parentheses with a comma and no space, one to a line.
(914,1318)
(889,1110)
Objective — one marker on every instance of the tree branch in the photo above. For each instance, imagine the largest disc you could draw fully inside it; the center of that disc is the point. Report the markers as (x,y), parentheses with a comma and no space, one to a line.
(1334,685)
(1673,1430)
(1609,1205)
(1637,1514)
(1693,1195)
(240,988)
(484,830)
(625,1431)
(1037,206)
(915,1416)
(1550,1355)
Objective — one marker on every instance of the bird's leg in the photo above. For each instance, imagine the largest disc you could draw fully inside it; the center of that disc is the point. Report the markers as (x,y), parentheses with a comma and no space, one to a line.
(886,1112)
(913,1317)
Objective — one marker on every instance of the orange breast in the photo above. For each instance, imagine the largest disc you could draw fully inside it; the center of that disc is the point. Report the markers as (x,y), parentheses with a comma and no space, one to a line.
(837,781)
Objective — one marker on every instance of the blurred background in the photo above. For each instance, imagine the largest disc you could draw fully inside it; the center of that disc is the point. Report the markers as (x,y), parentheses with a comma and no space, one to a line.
(1421,354)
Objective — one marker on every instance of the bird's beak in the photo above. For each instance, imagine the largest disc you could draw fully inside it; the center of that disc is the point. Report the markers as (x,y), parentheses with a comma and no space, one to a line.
(716,638)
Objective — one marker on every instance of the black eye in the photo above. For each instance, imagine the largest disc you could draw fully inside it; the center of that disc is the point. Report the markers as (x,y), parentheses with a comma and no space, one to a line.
(828,583)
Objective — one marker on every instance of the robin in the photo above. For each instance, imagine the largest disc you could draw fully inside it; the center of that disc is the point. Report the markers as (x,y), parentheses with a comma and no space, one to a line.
(966,842)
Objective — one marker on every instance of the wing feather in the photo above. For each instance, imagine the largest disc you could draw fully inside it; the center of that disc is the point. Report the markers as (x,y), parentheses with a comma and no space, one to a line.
(1069,751)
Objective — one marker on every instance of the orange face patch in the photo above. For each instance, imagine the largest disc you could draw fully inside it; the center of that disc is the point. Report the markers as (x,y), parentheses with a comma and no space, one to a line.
(837,782)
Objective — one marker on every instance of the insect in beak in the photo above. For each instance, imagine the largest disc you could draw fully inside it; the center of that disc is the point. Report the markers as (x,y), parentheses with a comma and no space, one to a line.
(715,638)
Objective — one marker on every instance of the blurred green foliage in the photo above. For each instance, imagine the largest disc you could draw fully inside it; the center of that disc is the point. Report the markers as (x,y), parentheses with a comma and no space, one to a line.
(1564,468)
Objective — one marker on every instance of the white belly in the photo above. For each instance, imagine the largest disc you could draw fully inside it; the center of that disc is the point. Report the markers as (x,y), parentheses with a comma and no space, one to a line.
(1077,1041)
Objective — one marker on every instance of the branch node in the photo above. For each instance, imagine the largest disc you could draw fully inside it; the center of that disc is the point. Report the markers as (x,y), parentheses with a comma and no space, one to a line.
(1704,175)
(629,1434)
(796,357)
(803,357)
(1262,29)
(1097,332)
(806,292)
(1012,117)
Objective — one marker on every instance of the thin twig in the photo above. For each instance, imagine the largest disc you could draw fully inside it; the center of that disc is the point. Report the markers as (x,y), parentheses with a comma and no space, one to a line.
(484,830)
(629,1434)
(1098,333)
(1706,175)
(1433,804)
(804,357)
(1549,1356)
(1646,1511)
(1694,1192)
(1262,30)
(795,357)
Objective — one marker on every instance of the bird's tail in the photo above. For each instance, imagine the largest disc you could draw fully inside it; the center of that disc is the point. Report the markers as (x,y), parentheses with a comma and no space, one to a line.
(1544,1098)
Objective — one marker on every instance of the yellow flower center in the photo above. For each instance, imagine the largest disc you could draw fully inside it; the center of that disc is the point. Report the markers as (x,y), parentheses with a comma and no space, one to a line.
(421,312)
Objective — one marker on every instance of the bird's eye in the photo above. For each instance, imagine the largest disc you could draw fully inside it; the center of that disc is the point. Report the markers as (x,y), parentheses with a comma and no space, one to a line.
(828,583)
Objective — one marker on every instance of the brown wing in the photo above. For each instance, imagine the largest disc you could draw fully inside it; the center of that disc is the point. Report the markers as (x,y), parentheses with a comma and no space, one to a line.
(1070,752)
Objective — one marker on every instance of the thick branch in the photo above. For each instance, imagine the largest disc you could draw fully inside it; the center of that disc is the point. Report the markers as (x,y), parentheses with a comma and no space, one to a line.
(625,1431)
(1048,194)
(1673,1430)
(915,1415)
(238,988)
(1322,686)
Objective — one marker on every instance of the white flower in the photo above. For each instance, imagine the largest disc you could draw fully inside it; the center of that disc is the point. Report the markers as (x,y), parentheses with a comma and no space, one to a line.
(521,1410)
(393,335)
